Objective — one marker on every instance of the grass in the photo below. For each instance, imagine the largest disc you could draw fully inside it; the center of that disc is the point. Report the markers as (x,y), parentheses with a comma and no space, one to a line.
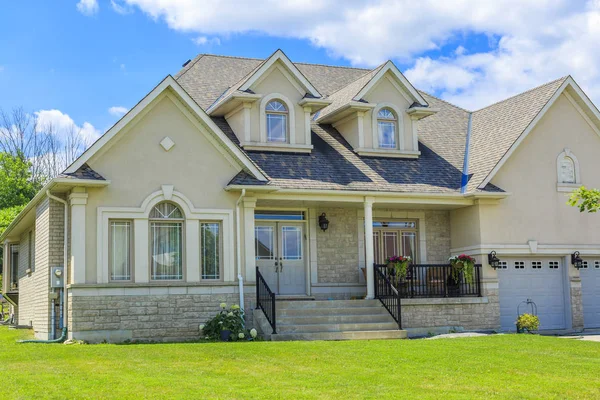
(501,366)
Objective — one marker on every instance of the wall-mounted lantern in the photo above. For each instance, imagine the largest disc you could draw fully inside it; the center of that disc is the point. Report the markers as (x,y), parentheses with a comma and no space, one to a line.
(493,260)
(576,260)
(323,222)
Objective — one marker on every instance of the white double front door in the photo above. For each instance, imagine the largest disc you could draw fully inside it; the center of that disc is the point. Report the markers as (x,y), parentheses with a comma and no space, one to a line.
(280,256)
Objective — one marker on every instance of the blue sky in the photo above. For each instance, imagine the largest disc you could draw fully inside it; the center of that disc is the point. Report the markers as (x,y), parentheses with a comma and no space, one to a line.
(84,57)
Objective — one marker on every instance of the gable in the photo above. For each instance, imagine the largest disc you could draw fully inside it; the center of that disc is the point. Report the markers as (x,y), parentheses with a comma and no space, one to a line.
(282,61)
(562,127)
(391,72)
(386,90)
(194,112)
(278,80)
(193,165)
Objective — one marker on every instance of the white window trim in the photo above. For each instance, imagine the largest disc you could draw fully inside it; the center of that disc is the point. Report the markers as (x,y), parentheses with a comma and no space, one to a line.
(399,127)
(567,187)
(140,216)
(263,119)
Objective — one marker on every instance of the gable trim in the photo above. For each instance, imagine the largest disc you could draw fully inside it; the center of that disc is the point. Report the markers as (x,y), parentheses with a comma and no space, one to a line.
(525,133)
(281,57)
(285,73)
(389,66)
(169,82)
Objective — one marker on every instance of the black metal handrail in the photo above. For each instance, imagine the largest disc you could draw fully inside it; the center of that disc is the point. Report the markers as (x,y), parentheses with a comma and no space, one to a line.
(265,300)
(387,294)
(434,281)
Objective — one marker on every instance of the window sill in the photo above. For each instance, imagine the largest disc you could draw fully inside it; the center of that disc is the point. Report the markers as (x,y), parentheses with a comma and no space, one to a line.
(387,153)
(283,147)
(567,187)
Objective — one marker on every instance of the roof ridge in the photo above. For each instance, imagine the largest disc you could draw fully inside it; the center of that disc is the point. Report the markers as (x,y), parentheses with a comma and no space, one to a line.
(522,93)
(263,59)
(360,77)
(445,101)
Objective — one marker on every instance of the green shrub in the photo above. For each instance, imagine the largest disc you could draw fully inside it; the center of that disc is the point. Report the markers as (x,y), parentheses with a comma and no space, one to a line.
(527,322)
(231,319)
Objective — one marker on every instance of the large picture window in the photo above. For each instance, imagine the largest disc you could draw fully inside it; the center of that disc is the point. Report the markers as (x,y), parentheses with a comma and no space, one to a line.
(210,250)
(166,242)
(394,238)
(120,250)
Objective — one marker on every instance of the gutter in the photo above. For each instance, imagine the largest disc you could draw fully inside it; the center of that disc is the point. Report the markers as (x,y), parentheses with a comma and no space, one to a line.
(465,175)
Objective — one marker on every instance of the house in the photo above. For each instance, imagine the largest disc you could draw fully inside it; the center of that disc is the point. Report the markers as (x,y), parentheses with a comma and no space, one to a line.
(296,181)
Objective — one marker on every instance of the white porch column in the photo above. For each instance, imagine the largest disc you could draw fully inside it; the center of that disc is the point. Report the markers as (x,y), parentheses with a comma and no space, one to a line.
(78,200)
(249,250)
(369,256)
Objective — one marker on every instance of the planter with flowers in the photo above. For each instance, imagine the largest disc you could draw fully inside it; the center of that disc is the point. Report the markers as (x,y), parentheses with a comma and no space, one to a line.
(227,325)
(463,266)
(398,268)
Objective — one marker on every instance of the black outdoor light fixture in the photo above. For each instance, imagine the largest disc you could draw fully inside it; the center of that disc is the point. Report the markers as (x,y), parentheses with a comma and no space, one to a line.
(493,260)
(576,260)
(323,222)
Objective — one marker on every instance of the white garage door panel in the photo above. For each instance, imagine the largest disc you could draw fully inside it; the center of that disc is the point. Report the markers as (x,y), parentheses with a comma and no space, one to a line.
(542,285)
(590,292)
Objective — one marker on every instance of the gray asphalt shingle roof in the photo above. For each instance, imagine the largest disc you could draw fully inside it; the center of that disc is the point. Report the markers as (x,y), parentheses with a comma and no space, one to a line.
(332,163)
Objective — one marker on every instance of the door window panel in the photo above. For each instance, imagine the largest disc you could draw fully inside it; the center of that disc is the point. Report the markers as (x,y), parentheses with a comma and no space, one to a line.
(291,242)
(264,242)
(409,247)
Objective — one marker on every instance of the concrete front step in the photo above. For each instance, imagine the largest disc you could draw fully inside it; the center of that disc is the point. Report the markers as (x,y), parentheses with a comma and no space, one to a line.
(376,326)
(288,305)
(332,319)
(293,312)
(343,335)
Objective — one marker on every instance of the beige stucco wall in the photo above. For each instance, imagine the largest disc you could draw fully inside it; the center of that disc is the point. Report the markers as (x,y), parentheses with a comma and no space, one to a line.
(137,166)
(535,210)
(350,130)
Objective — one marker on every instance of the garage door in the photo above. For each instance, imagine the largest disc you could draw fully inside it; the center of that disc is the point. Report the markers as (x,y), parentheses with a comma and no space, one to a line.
(540,280)
(590,293)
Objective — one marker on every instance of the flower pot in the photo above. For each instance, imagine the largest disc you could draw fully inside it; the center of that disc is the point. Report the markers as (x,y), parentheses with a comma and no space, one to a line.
(225,334)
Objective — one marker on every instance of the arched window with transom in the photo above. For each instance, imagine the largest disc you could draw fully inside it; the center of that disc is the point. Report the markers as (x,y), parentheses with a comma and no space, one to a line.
(277,121)
(166,242)
(387,127)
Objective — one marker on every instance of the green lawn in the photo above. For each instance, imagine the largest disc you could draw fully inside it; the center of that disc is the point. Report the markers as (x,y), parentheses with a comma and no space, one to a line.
(502,366)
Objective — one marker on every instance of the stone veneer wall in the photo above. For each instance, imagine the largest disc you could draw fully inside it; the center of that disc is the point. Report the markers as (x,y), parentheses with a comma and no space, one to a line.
(34,301)
(576,304)
(480,313)
(337,247)
(437,232)
(168,317)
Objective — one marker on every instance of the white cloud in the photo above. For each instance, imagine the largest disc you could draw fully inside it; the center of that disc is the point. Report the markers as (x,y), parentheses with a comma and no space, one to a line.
(120,8)
(118,111)
(88,7)
(531,41)
(63,124)
(203,41)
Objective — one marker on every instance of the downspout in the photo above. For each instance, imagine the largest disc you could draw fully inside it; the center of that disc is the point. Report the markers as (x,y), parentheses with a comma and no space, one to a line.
(465,174)
(239,246)
(63,336)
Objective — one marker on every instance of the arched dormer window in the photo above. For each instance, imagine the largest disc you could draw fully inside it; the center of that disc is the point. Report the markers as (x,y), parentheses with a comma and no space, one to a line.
(387,127)
(277,121)
(166,242)
(567,169)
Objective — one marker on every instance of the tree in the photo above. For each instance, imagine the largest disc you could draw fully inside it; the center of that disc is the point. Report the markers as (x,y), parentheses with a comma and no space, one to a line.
(16,184)
(587,200)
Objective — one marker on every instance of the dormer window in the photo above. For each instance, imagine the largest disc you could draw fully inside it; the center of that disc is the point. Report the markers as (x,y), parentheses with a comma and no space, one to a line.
(277,122)
(386,125)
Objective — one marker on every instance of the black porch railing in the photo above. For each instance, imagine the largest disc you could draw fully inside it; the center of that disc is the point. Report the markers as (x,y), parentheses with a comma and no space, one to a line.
(387,294)
(434,281)
(265,300)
